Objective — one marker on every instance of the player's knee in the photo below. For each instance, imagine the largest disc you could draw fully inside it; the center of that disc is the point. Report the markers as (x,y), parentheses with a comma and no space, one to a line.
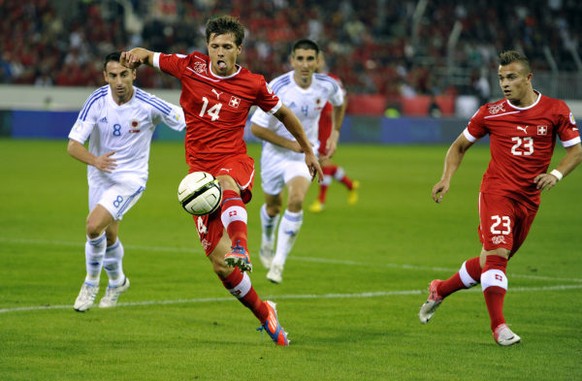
(228,183)
(93,229)
(499,252)
(221,269)
(218,265)
(273,210)
(295,204)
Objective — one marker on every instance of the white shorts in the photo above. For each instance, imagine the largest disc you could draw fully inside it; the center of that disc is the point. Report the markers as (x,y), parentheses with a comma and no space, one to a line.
(276,173)
(116,198)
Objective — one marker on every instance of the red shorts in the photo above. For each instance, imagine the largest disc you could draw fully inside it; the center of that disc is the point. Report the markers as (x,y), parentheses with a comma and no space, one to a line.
(242,169)
(503,222)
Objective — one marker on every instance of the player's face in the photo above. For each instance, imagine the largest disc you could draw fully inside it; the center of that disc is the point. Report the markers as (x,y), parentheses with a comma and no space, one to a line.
(514,82)
(120,79)
(223,53)
(304,62)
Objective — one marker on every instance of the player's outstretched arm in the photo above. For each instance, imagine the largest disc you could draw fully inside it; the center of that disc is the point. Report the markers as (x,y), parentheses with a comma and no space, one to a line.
(137,56)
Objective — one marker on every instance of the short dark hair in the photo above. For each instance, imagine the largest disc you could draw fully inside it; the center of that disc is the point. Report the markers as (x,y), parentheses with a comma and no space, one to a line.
(224,25)
(510,56)
(113,56)
(305,44)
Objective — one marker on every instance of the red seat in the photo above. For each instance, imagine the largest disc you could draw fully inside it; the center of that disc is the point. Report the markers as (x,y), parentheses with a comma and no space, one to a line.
(366,104)
(418,105)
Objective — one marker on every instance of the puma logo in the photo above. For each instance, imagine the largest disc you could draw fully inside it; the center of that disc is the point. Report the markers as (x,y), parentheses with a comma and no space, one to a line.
(216,93)
(524,129)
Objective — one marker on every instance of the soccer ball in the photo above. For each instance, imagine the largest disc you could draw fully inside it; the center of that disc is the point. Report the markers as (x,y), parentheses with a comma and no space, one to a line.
(199,193)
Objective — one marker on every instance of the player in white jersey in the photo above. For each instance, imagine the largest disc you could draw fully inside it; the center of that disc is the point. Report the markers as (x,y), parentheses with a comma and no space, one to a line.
(119,120)
(282,161)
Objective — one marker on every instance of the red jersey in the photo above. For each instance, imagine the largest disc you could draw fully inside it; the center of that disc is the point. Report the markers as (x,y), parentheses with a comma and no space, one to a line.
(216,108)
(522,142)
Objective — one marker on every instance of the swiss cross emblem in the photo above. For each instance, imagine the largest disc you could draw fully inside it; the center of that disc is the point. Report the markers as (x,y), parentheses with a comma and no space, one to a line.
(496,109)
(234,102)
(200,67)
(542,130)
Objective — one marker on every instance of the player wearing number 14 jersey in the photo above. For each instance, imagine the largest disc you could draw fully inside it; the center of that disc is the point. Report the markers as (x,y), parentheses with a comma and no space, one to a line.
(217,95)
(523,129)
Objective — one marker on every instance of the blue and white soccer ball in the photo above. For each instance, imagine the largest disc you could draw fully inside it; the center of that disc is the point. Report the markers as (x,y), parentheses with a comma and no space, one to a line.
(199,193)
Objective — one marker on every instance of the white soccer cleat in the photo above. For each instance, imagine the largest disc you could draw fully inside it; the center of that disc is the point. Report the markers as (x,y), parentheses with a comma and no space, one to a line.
(86,297)
(275,274)
(432,303)
(505,336)
(266,253)
(112,295)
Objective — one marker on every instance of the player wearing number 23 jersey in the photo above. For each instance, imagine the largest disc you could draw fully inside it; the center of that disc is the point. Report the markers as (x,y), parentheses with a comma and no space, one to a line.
(522,141)
(522,128)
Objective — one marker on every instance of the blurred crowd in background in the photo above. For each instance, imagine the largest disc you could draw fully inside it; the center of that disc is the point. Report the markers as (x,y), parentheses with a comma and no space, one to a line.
(393,48)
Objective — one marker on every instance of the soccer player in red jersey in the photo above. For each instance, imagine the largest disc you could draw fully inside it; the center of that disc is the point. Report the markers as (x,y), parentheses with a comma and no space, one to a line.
(217,95)
(522,129)
(328,138)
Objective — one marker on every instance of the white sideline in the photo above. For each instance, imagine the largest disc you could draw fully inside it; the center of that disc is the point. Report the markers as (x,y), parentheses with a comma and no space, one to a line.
(194,248)
(359,295)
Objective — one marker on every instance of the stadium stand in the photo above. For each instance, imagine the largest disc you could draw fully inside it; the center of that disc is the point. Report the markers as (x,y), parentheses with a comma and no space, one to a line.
(396,52)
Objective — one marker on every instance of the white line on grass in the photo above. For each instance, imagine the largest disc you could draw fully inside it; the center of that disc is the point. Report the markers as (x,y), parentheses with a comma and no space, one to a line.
(357,295)
(27,241)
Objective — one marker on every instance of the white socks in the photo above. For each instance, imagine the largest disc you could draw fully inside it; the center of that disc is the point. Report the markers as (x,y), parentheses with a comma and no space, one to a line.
(98,256)
(113,264)
(94,253)
(288,231)
(268,225)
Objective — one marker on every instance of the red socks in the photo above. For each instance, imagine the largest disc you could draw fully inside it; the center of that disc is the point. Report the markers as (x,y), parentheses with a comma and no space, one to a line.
(494,284)
(234,217)
(467,276)
(330,172)
(239,285)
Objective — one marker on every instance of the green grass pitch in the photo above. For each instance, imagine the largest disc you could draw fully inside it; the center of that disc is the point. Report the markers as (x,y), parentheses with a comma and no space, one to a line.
(351,292)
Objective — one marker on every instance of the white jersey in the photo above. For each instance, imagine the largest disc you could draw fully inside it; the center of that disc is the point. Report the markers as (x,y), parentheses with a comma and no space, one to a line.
(125,129)
(307,104)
